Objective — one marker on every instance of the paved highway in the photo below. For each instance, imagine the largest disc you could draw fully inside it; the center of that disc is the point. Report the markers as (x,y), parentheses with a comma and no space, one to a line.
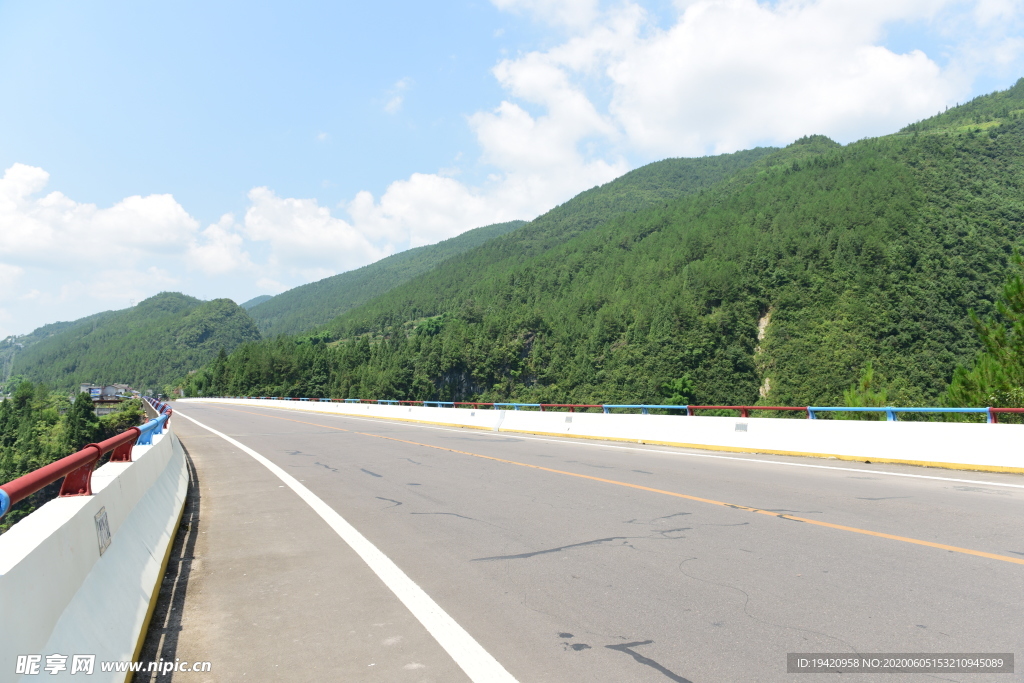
(575,560)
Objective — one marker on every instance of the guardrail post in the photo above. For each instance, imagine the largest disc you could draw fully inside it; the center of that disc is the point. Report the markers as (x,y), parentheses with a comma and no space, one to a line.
(890,415)
(744,412)
(992,417)
(604,409)
(643,410)
(123,453)
(810,414)
(79,482)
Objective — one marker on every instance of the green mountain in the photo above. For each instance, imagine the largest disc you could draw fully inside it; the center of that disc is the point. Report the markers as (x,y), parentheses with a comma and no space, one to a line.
(652,185)
(645,189)
(779,283)
(308,306)
(16,344)
(153,343)
(256,301)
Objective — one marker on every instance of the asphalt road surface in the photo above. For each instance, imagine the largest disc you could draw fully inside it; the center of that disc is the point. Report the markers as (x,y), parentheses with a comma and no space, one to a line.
(576,560)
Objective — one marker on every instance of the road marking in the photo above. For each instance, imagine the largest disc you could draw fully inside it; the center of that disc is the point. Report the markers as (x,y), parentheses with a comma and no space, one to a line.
(478,664)
(577,442)
(815,522)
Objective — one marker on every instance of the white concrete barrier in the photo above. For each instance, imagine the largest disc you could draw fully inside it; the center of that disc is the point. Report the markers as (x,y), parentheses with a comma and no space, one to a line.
(967,446)
(59,595)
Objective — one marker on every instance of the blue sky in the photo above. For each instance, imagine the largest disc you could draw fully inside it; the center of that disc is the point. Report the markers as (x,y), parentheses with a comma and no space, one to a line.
(208,99)
(235,149)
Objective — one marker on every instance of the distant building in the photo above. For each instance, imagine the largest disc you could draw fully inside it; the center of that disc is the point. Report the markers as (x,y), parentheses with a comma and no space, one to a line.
(106,397)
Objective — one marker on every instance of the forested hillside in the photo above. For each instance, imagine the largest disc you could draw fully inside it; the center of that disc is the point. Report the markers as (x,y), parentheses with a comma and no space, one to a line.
(16,344)
(316,303)
(255,301)
(650,186)
(309,306)
(146,346)
(778,284)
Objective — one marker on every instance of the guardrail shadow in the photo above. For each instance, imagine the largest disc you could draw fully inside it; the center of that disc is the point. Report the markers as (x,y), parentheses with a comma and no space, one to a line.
(165,627)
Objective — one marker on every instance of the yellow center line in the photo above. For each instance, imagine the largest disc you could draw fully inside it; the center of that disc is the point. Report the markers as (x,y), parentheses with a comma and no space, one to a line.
(816,522)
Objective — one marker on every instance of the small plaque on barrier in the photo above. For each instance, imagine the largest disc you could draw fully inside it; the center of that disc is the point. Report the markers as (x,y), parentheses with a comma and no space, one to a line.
(102,529)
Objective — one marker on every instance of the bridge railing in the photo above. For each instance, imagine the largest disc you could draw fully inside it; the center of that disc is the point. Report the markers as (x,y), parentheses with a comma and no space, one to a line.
(77,468)
(812,412)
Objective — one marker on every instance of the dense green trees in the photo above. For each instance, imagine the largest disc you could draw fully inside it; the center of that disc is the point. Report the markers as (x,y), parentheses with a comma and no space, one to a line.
(80,424)
(996,377)
(776,281)
(38,426)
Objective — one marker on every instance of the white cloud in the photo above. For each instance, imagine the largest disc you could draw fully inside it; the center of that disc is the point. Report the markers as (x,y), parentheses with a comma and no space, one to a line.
(62,259)
(304,237)
(612,90)
(730,74)
(9,275)
(269,286)
(723,75)
(220,249)
(989,11)
(396,96)
(126,285)
(54,230)
(423,209)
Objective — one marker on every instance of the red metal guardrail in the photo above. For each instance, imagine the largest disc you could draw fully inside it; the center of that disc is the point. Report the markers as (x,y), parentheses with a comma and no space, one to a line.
(995,411)
(78,467)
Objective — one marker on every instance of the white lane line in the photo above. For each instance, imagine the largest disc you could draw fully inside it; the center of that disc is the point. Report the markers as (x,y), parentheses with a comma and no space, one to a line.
(478,664)
(586,442)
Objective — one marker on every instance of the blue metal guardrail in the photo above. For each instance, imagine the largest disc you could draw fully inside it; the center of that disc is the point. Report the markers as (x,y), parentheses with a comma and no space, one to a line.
(891,412)
(155,426)
(151,429)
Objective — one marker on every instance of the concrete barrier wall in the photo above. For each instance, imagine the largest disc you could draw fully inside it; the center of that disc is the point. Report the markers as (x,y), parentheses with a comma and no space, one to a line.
(991,447)
(59,595)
